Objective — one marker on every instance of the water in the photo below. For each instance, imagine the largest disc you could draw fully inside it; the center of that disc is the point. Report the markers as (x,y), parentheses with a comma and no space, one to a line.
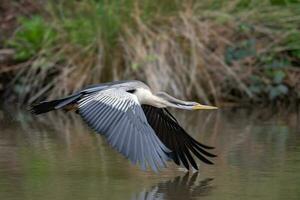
(56,156)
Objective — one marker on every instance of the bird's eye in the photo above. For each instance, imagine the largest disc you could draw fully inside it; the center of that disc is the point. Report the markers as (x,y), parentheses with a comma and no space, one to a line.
(131,91)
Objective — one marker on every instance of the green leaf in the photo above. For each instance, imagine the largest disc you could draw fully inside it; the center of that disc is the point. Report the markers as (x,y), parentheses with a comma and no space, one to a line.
(255,89)
(240,51)
(277,91)
(255,79)
(135,66)
(278,76)
(34,34)
(282,89)
(296,53)
(274,93)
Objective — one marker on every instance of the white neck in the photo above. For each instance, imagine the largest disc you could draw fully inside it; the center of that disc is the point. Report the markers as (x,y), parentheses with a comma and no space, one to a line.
(146,97)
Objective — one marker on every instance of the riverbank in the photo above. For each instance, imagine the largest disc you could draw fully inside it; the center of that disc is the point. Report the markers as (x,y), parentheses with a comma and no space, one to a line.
(238,52)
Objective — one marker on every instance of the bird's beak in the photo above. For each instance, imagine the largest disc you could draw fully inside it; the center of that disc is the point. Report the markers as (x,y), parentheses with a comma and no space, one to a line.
(203,107)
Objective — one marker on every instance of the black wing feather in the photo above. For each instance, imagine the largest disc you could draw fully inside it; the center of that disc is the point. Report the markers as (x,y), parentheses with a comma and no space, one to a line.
(175,137)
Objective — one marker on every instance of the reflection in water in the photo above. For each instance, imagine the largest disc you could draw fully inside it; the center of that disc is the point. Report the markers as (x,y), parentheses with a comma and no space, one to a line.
(181,187)
(56,156)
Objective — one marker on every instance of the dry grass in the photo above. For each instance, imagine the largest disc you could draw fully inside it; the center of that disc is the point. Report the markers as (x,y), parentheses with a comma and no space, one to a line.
(184,52)
(185,57)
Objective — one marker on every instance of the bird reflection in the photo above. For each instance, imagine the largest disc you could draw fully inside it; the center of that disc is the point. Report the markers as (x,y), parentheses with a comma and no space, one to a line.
(181,187)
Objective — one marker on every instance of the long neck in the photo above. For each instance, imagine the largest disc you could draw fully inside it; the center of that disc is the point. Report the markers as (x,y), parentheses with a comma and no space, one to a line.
(147,97)
(162,100)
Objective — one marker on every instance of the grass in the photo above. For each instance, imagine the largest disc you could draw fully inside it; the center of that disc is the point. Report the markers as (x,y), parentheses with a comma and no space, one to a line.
(217,51)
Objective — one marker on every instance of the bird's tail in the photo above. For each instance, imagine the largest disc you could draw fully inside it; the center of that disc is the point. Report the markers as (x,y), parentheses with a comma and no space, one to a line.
(44,107)
(47,106)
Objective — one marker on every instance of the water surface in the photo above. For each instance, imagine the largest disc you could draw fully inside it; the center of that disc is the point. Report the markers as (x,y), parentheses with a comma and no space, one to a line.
(56,156)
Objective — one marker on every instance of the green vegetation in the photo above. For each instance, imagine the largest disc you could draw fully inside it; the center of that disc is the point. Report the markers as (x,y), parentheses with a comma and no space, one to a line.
(221,51)
(31,37)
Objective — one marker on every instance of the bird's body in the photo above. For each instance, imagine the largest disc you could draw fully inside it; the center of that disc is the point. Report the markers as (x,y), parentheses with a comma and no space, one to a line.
(135,122)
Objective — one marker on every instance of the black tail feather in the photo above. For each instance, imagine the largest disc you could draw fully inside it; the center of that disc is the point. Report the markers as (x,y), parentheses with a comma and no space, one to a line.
(44,106)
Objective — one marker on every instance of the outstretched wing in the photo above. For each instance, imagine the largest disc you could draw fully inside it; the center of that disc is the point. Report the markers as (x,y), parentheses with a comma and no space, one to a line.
(175,137)
(118,115)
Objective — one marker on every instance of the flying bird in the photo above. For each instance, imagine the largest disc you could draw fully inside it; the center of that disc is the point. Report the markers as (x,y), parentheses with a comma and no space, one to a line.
(135,122)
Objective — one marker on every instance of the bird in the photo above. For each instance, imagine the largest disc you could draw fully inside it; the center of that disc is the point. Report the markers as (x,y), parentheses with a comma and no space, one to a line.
(136,122)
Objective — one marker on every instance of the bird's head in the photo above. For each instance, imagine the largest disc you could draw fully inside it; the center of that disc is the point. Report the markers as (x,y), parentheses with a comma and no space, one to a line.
(169,101)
